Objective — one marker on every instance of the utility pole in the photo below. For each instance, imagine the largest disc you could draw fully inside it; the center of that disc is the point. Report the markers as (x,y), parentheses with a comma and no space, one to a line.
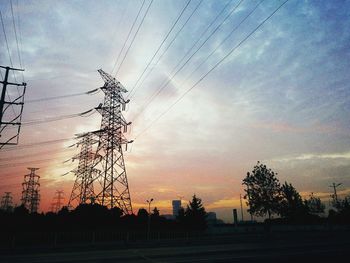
(83,190)
(30,193)
(335,196)
(57,205)
(149,218)
(5,105)
(109,158)
(240,199)
(248,195)
(6,202)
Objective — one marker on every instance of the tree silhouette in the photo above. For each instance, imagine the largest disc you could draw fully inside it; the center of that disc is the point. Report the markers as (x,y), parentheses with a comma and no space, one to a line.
(291,205)
(263,191)
(343,211)
(181,215)
(142,216)
(345,204)
(21,211)
(195,215)
(155,212)
(314,205)
(116,212)
(64,211)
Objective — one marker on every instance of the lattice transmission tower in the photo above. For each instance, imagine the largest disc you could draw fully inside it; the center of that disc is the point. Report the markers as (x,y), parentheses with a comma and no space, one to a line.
(58,201)
(113,188)
(83,190)
(30,193)
(6,202)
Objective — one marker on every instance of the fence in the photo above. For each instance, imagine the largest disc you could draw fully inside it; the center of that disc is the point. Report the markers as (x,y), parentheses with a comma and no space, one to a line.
(120,238)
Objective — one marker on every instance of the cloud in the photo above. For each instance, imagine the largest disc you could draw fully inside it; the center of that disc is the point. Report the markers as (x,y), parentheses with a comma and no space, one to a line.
(281,97)
(326,196)
(224,203)
(310,156)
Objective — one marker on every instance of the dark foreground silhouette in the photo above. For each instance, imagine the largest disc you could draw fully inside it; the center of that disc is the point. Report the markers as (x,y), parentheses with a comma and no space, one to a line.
(93,233)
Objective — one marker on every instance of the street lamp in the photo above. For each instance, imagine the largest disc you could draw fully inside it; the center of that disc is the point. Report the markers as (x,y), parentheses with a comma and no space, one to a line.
(149,205)
(149,217)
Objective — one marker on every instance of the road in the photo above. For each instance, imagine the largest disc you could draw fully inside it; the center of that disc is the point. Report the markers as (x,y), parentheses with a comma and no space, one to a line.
(279,250)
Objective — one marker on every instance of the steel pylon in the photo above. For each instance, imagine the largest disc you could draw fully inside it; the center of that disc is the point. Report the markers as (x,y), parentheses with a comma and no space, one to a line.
(30,193)
(113,190)
(6,202)
(83,189)
(57,201)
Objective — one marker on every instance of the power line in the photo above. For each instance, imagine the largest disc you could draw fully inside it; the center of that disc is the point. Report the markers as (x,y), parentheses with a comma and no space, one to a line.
(225,39)
(162,43)
(14,175)
(58,118)
(14,29)
(213,68)
(189,50)
(132,41)
(90,92)
(163,86)
(24,156)
(123,12)
(61,76)
(30,145)
(19,30)
(127,38)
(7,44)
(59,155)
(166,49)
(33,162)
(19,57)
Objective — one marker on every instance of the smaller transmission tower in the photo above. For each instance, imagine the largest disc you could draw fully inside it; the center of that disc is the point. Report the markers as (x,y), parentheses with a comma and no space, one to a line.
(6,202)
(57,201)
(83,190)
(30,193)
(335,195)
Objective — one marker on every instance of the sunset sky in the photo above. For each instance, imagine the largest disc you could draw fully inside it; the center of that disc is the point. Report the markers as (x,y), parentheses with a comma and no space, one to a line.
(282,97)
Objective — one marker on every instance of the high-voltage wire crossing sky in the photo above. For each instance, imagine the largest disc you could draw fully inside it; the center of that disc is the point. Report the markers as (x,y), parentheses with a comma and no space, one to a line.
(214,86)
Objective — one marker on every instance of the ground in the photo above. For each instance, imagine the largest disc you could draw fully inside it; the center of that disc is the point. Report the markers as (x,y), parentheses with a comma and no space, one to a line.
(282,247)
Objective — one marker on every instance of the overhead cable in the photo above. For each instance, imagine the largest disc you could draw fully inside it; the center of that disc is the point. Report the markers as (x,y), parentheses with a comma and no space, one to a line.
(36,144)
(134,88)
(162,43)
(133,39)
(90,92)
(213,68)
(127,38)
(165,84)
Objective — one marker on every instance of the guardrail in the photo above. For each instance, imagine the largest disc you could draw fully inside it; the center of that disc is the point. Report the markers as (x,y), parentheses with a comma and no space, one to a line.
(124,238)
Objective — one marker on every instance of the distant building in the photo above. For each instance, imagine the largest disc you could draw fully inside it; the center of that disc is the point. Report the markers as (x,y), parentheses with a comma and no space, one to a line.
(169,217)
(235,218)
(176,207)
(211,218)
